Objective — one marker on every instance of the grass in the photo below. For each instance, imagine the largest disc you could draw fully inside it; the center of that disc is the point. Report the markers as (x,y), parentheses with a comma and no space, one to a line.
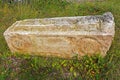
(26,67)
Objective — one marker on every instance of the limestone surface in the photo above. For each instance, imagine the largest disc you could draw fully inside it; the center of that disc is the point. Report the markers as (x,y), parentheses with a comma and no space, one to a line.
(63,37)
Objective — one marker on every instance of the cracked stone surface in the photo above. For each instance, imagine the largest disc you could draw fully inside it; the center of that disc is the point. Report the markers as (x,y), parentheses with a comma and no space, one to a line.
(63,37)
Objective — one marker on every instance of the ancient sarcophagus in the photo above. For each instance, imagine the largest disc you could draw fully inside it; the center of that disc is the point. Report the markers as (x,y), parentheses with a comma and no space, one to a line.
(63,37)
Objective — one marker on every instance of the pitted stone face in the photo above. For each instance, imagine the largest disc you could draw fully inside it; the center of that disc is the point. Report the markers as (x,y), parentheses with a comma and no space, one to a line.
(62,36)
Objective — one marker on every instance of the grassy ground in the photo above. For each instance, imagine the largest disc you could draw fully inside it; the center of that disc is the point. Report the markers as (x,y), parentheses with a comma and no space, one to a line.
(25,67)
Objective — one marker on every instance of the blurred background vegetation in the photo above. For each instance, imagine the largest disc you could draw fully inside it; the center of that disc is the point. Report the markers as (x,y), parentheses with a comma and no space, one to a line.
(15,66)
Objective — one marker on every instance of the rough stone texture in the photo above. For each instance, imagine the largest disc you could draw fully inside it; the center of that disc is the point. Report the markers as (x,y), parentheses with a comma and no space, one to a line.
(62,36)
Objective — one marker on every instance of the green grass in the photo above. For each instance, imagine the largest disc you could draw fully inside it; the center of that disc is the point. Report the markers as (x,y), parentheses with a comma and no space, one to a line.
(26,67)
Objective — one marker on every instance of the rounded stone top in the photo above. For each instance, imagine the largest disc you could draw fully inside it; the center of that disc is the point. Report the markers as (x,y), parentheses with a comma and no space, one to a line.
(92,25)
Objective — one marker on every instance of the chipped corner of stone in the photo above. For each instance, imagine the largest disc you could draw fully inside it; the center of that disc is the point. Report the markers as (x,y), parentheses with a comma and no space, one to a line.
(108,16)
(108,23)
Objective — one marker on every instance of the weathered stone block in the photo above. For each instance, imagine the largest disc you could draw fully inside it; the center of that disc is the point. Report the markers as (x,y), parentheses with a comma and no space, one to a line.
(62,36)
